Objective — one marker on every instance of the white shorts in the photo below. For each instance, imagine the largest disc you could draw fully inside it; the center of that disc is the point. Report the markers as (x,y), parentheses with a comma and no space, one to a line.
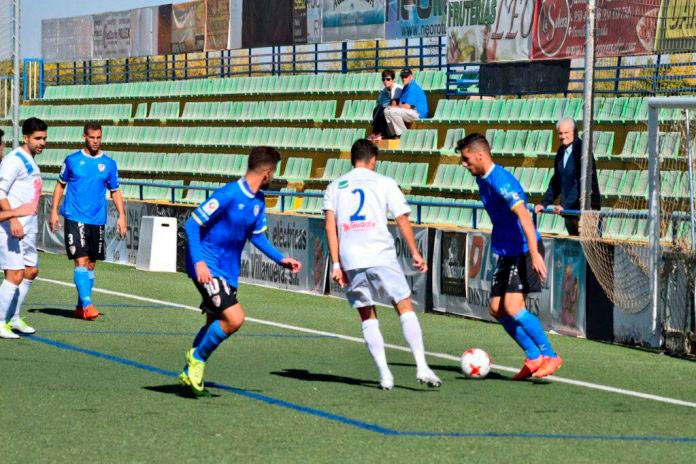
(381,284)
(17,254)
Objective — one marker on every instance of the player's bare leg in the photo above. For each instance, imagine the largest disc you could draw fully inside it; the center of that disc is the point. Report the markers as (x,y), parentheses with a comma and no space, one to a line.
(375,344)
(414,337)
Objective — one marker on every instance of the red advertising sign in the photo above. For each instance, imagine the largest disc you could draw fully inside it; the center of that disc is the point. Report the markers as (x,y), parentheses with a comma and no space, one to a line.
(622,28)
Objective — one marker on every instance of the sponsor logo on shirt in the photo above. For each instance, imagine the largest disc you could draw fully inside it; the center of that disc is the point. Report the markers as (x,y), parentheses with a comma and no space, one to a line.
(211,206)
(240,206)
(358,226)
(343,184)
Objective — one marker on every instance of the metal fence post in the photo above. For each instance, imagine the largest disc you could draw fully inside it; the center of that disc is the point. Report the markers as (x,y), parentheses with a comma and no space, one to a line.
(344,57)
(126,73)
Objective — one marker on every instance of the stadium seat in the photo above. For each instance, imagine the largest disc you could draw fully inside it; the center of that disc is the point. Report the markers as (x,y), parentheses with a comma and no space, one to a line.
(451,139)
(423,141)
(355,111)
(167,111)
(297,169)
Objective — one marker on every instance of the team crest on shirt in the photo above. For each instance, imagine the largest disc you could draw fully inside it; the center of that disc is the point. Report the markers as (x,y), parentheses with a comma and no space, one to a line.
(257,208)
(101,167)
(211,206)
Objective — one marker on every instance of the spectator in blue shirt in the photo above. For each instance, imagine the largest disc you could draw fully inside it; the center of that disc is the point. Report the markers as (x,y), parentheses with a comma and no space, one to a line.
(388,96)
(413,105)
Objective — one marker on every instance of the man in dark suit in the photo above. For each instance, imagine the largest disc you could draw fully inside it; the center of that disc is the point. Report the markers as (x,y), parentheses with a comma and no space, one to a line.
(565,182)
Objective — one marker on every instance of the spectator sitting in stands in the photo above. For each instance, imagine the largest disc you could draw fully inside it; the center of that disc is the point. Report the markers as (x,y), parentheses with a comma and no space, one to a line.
(388,96)
(413,105)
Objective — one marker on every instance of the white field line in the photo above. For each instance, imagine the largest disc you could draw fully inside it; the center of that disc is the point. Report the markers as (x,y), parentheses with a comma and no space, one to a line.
(577,383)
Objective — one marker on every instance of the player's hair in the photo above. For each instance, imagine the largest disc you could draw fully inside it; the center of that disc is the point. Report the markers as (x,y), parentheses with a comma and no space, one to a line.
(263,157)
(32,125)
(473,142)
(389,73)
(91,126)
(2,134)
(363,150)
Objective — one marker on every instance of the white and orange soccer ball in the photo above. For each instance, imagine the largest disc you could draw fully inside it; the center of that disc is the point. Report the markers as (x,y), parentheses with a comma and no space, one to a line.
(476,364)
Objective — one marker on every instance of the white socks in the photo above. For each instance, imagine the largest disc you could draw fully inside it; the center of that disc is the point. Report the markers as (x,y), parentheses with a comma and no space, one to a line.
(23,290)
(375,343)
(8,300)
(414,338)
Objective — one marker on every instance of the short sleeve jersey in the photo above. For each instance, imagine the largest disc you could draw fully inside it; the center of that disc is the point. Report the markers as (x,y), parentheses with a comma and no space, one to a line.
(361,200)
(501,192)
(87,178)
(228,219)
(20,183)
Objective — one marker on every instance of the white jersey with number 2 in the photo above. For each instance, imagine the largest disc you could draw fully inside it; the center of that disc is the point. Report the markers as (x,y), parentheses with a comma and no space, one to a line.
(360,200)
(20,182)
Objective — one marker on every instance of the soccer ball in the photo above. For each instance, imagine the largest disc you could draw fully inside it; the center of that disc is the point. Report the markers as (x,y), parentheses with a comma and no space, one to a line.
(475,363)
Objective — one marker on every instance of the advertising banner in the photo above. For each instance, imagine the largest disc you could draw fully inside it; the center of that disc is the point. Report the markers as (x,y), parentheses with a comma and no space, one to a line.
(417,281)
(569,281)
(234,40)
(291,235)
(267,23)
(676,27)
(112,35)
(188,27)
(622,28)
(352,20)
(217,24)
(314,21)
(407,19)
(65,39)
(144,31)
(487,31)
(470,254)
(118,250)
(299,21)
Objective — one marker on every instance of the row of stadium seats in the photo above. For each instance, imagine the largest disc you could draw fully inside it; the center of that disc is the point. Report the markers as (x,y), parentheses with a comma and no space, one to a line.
(313,139)
(615,110)
(501,111)
(509,143)
(327,83)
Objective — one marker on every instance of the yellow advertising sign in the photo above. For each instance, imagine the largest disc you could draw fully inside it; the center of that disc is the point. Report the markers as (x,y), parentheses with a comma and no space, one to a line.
(680,19)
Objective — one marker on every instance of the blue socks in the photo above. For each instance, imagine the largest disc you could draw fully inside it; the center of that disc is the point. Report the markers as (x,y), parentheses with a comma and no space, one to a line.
(199,336)
(518,334)
(531,325)
(84,285)
(210,341)
(91,286)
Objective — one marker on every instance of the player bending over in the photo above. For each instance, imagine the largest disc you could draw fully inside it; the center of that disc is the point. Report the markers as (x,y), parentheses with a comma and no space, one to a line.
(20,183)
(217,232)
(84,177)
(364,257)
(520,268)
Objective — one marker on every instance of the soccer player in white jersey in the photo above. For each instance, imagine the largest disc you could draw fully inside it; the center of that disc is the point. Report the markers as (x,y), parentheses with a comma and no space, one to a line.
(364,257)
(20,183)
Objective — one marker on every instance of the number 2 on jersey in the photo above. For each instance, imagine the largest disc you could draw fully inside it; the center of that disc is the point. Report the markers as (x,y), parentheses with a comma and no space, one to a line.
(357,216)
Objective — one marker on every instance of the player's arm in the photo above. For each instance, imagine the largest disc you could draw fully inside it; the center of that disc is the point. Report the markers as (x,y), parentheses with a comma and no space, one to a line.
(398,206)
(337,273)
(406,229)
(8,173)
(261,242)
(530,233)
(54,219)
(27,209)
(113,185)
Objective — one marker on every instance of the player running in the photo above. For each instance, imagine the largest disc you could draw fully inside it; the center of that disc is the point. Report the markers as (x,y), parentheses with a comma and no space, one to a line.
(87,173)
(217,232)
(364,257)
(520,268)
(20,183)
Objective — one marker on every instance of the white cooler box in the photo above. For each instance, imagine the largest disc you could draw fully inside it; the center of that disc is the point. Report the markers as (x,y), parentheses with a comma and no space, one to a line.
(157,247)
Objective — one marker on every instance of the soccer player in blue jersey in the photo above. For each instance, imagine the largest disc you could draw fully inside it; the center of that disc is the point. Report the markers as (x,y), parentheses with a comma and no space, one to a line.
(217,232)
(84,178)
(520,269)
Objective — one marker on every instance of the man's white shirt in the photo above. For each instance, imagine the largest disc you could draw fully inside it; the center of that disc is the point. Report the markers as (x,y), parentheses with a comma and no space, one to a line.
(20,183)
(361,200)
